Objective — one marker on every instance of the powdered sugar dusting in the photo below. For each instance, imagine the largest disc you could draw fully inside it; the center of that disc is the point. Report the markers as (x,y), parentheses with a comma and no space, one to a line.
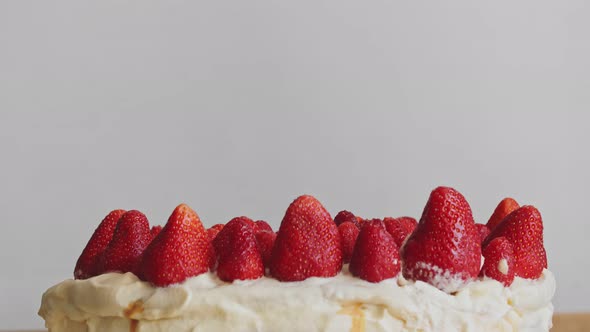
(442,279)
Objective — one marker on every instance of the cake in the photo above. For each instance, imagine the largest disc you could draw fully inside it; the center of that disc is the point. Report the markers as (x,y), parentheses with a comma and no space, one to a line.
(315,274)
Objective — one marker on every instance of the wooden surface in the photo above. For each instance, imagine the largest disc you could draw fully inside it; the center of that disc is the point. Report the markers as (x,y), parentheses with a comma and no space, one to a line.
(571,322)
(561,323)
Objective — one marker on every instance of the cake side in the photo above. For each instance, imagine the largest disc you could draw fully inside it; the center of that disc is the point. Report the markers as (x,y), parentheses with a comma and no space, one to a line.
(122,302)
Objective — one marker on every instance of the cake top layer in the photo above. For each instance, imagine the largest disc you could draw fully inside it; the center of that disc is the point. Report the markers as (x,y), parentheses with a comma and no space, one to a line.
(443,249)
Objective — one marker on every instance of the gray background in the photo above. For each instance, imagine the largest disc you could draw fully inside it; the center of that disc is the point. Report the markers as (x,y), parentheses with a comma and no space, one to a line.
(237,107)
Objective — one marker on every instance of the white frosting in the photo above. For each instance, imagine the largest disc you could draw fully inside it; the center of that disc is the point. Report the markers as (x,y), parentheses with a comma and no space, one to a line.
(503,266)
(121,302)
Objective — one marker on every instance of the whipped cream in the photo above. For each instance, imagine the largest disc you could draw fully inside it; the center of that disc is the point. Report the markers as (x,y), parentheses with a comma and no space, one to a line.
(121,302)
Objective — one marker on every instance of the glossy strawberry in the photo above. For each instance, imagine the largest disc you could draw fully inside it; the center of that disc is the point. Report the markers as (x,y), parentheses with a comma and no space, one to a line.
(348,234)
(399,228)
(346,216)
(238,256)
(131,237)
(503,209)
(262,225)
(375,256)
(483,231)
(211,234)
(251,223)
(155,231)
(444,250)
(213,231)
(181,250)
(408,223)
(266,241)
(360,221)
(499,261)
(86,264)
(523,228)
(307,244)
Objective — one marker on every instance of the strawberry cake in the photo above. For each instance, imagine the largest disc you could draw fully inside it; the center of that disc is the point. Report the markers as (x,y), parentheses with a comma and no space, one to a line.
(317,273)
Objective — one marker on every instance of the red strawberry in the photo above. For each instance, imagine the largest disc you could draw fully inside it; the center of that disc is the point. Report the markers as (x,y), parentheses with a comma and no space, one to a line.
(483,231)
(180,251)
(307,244)
(131,237)
(346,216)
(444,250)
(499,261)
(408,223)
(237,251)
(86,264)
(155,231)
(262,225)
(524,229)
(399,228)
(360,221)
(251,223)
(266,241)
(213,231)
(503,209)
(348,234)
(375,256)
(211,234)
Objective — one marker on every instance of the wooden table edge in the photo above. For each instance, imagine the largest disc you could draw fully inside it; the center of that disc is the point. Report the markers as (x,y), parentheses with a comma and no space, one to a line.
(562,322)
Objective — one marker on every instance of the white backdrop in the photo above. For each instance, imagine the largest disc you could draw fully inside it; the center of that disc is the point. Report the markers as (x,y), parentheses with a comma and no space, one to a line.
(237,107)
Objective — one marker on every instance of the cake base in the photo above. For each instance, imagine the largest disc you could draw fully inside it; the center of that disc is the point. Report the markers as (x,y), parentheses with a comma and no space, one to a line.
(121,302)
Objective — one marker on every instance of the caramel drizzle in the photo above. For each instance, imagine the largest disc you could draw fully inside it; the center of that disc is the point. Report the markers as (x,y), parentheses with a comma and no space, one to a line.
(133,325)
(358,316)
(132,309)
